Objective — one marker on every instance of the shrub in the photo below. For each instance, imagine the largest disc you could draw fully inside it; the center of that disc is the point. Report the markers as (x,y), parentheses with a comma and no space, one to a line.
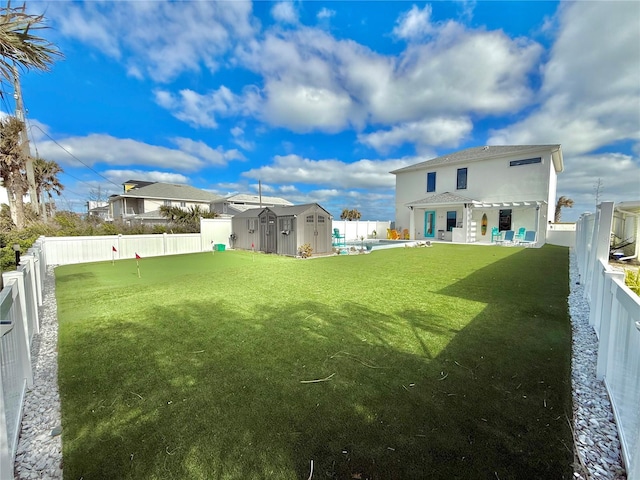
(632,279)
(305,250)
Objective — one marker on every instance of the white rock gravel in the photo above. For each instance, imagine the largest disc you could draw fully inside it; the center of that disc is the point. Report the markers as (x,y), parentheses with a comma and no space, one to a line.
(39,454)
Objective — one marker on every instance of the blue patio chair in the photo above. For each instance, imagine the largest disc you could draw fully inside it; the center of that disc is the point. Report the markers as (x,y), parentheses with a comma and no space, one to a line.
(508,238)
(496,235)
(337,239)
(529,238)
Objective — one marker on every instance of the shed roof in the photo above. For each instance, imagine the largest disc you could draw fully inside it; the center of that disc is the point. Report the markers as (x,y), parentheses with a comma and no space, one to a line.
(476,154)
(255,199)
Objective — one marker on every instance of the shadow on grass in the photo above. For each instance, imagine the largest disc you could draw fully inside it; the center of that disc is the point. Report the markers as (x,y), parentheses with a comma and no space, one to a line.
(362,393)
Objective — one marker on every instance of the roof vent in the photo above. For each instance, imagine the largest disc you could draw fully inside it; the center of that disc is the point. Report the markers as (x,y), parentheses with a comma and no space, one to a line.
(486,147)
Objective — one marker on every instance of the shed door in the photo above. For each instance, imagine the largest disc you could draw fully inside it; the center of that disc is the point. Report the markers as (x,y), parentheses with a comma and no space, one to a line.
(268,237)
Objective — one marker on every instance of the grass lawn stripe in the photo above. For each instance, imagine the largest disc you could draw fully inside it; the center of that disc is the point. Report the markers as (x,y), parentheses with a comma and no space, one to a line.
(443,362)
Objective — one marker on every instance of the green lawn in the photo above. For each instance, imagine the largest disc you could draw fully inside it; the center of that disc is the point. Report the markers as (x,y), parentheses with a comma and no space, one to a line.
(411,363)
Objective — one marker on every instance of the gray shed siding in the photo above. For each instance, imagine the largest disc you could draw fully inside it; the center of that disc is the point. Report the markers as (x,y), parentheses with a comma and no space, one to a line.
(245,226)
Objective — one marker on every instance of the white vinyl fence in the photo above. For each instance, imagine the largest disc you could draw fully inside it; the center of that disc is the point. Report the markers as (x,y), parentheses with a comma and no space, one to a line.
(19,321)
(361,228)
(615,317)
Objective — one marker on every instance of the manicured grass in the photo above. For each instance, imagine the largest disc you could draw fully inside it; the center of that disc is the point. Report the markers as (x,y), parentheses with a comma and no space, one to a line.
(440,363)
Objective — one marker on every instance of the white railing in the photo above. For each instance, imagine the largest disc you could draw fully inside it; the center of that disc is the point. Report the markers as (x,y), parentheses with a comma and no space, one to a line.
(615,316)
(19,322)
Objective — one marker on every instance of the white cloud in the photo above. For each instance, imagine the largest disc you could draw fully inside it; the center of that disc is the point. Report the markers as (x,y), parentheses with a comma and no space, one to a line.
(161,39)
(325,13)
(200,110)
(590,93)
(121,176)
(619,175)
(435,132)
(284,12)
(414,24)
(211,156)
(105,149)
(335,173)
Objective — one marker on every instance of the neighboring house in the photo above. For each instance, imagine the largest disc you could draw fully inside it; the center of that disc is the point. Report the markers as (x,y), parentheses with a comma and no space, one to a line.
(509,187)
(283,229)
(235,204)
(98,209)
(142,203)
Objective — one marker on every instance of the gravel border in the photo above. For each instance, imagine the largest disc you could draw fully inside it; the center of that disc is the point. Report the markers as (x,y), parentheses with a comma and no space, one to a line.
(597,447)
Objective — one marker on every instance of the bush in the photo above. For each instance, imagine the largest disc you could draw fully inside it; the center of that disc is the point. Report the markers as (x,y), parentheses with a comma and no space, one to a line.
(305,250)
(632,280)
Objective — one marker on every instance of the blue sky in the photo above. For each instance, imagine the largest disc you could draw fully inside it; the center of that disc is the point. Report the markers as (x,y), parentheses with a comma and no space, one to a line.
(320,100)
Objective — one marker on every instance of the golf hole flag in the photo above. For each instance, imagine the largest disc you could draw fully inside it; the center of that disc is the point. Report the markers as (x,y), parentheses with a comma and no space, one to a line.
(113,249)
(113,255)
(138,257)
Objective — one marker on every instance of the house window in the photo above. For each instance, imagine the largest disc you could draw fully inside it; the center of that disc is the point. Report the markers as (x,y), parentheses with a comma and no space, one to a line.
(462,179)
(431,182)
(167,203)
(504,220)
(526,161)
(451,220)
(183,204)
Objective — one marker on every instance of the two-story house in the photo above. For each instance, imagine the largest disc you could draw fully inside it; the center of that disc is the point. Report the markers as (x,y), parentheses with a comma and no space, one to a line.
(141,201)
(461,196)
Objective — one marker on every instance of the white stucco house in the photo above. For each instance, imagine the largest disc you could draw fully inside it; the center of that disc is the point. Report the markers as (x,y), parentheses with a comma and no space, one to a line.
(451,197)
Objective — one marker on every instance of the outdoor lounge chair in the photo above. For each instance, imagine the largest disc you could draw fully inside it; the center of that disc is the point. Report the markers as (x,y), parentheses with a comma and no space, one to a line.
(520,234)
(529,239)
(508,239)
(337,239)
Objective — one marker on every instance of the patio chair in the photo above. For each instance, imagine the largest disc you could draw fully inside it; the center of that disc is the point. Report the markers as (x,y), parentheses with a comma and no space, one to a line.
(520,234)
(496,235)
(337,239)
(529,239)
(508,239)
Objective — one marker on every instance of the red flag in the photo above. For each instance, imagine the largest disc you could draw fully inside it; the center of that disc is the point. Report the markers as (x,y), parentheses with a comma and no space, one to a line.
(138,257)
(251,244)
(113,249)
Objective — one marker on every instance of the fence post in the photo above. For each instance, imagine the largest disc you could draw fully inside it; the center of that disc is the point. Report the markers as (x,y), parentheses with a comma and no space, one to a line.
(30,267)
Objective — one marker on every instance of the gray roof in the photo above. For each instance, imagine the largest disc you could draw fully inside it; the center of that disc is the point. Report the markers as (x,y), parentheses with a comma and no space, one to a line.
(294,209)
(170,191)
(255,199)
(476,154)
(249,213)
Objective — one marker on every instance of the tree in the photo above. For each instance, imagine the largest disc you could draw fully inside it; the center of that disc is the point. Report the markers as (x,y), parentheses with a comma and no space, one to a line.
(12,162)
(46,176)
(562,202)
(350,214)
(188,219)
(20,48)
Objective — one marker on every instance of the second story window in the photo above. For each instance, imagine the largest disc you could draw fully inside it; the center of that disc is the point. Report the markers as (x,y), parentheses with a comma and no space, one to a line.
(462,179)
(183,204)
(167,203)
(431,182)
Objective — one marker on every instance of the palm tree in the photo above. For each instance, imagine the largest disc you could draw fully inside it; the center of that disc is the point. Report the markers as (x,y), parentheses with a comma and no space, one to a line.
(18,46)
(46,175)
(562,202)
(12,162)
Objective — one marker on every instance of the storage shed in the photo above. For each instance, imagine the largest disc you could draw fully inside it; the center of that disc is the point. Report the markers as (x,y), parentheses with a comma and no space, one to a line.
(244,226)
(282,229)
